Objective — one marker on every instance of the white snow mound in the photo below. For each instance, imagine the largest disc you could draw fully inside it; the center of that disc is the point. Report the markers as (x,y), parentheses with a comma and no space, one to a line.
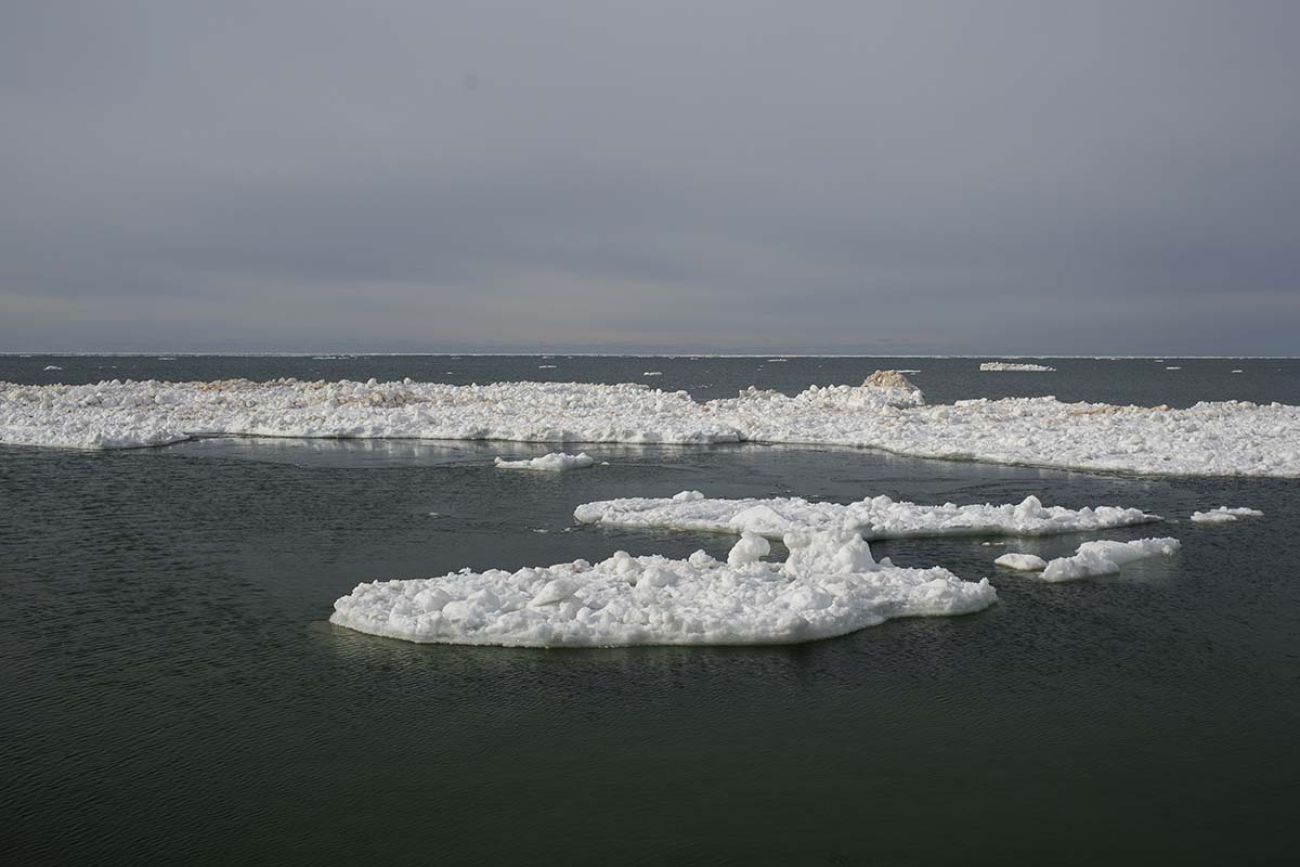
(1224,515)
(1221,439)
(874,517)
(555,462)
(829,586)
(1105,557)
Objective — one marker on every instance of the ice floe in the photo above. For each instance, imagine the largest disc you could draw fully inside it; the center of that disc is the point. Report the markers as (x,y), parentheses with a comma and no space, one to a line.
(874,517)
(1016,366)
(829,585)
(1105,557)
(1021,562)
(555,462)
(1224,515)
(1225,438)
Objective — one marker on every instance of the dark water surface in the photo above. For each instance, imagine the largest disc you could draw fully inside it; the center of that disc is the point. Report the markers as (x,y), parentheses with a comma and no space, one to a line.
(173,692)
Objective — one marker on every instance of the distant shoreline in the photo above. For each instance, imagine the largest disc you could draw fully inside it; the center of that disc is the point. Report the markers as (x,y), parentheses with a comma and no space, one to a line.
(343,355)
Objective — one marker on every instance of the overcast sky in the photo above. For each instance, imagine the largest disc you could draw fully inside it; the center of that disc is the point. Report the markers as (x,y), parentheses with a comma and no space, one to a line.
(985,177)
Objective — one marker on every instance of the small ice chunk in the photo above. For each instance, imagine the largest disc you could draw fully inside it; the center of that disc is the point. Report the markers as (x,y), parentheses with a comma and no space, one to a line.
(1105,557)
(555,462)
(52,367)
(1022,562)
(750,549)
(653,373)
(1225,515)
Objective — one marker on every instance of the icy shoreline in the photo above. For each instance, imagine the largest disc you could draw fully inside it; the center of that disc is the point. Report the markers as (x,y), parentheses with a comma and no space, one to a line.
(1218,439)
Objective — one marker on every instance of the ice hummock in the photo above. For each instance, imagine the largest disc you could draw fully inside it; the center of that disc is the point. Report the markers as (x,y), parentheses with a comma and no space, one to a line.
(874,517)
(1222,439)
(1105,557)
(830,585)
(555,462)
(1225,515)
(1016,366)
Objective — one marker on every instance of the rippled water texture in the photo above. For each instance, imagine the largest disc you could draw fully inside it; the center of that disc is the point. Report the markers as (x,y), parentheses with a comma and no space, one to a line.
(173,691)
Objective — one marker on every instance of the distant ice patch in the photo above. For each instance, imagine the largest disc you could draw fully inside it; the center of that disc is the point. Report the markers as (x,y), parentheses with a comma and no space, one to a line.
(1105,557)
(555,462)
(874,517)
(1016,366)
(830,585)
(1225,515)
(52,367)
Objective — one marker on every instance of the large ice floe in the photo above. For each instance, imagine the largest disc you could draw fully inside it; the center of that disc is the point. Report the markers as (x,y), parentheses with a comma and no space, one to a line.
(555,462)
(1016,366)
(1105,557)
(886,412)
(830,585)
(1225,515)
(874,517)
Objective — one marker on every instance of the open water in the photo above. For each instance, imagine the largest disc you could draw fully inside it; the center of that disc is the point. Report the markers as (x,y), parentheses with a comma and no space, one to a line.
(173,692)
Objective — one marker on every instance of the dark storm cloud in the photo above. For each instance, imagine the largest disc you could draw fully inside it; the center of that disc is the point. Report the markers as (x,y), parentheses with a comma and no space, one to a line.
(930,177)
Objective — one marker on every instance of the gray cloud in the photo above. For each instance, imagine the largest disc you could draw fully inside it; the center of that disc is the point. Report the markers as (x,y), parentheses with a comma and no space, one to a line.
(931,177)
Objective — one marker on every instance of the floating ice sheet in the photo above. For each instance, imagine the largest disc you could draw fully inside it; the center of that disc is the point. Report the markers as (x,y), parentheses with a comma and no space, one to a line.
(1224,515)
(1231,438)
(874,517)
(1016,366)
(555,462)
(1105,557)
(829,586)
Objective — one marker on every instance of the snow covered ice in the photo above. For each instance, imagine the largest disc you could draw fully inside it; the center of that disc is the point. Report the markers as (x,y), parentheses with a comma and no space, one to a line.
(555,462)
(830,585)
(874,517)
(1014,366)
(1225,515)
(1105,557)
(1223,438)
